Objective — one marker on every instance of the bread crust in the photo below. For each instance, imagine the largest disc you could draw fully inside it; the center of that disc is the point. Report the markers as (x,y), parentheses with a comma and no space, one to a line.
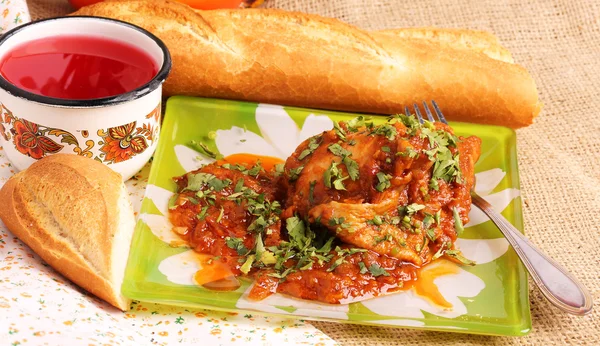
(64,207)
(299,59)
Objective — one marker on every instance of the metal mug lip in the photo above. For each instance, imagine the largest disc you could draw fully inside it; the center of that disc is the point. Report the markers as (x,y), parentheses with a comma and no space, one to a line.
(137,93)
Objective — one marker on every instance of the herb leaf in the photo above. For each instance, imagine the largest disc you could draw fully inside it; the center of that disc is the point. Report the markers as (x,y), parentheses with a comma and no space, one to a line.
(338,150)
(202,215)
(384,181)
(313,144)
(363,267)
(376,270)
(237,244)
(459,257)
(296,230)
(245,268)
(352,167)
(295,173)
(458,225)
(340,132)
(203,149)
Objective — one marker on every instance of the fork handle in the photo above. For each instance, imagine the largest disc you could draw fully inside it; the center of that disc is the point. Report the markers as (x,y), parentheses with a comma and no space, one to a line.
(557,285)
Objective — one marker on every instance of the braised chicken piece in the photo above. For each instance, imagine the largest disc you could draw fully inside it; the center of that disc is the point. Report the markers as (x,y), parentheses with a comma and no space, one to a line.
(221,208)
(399,189)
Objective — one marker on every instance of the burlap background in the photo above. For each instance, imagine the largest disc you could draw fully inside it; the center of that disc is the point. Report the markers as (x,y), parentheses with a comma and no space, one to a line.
(559,156)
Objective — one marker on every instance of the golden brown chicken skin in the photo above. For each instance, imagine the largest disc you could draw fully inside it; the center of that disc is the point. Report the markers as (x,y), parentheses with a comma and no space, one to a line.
(398,189)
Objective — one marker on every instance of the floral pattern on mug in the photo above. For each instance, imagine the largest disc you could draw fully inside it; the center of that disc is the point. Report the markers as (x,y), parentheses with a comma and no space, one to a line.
(29,139)
(121,143)
(117,144)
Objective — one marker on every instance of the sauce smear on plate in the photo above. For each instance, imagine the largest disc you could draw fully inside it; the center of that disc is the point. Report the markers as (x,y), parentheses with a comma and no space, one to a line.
(77,67)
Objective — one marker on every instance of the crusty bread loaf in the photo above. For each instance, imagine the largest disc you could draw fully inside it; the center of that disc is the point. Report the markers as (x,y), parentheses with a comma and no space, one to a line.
(478,41)
(75,213)
(306,60)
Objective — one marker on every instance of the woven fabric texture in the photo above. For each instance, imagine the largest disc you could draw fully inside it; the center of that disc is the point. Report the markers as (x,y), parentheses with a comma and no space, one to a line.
(558,41)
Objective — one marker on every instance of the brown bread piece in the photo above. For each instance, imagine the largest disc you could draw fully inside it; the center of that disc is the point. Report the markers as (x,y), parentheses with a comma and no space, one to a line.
(75,213)
(298,59)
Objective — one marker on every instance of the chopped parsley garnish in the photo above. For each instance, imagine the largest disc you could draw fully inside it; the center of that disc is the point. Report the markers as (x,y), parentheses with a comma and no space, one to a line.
(410,122)
(351,165)
(238,186)
(279,168)
(354,124)
(363,267)
(202,215)
(440,251)
(313,144)
(386,130)
(198,181)
(304,245)
(195,182)
(376,220)
(193,200)
(220,214)
(247,266)
(338,150)
(428,221)
(336,263)
(218,184)
(384,181)
(173,201)
(409,152)
(257,168)
(459,257)
(296,230)
(387,237)
(266,213)
(203,149)
(446,165)
(237,244)
(458,225)
(414,207)
(339,221)
(295,173)
(437,216)
(385,149)
(376,270)
(339,131)
(335,174)
(431,234)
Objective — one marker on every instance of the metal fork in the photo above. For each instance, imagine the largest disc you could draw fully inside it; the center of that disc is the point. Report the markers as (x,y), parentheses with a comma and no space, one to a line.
(557,285)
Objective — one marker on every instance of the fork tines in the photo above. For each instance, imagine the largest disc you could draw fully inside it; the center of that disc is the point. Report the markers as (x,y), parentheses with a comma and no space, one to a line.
(430,117)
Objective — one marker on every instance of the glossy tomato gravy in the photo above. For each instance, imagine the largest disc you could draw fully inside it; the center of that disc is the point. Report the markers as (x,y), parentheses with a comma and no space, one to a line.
(344,284)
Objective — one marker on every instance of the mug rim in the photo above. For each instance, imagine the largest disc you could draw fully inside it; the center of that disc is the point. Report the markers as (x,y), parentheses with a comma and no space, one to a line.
(134,94)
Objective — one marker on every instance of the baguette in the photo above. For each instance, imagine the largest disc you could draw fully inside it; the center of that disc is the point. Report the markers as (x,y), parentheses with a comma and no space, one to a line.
(297,59)
(76,215)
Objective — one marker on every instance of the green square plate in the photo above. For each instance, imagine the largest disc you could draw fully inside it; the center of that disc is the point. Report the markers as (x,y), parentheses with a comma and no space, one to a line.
(489,298)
